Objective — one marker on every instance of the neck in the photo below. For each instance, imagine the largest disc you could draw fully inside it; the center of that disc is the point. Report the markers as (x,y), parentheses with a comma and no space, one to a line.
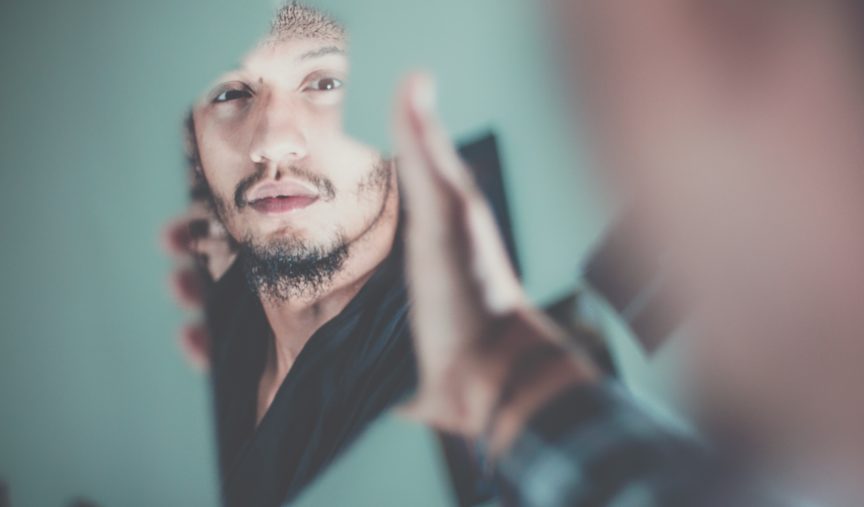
(295,321)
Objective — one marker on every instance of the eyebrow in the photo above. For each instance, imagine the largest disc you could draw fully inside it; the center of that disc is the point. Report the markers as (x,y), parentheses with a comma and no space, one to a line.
(314,53)
(318,53)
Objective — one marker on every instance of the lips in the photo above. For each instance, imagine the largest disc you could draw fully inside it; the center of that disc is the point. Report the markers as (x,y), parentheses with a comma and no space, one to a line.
(282,197)
(282,204)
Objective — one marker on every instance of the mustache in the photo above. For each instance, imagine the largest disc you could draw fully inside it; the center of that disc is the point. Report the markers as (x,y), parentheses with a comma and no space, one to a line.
(323,185)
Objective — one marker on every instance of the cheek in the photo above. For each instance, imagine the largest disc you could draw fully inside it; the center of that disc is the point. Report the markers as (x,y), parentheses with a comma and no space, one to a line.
(224,164)
(360,193)
(344,161)
(324,122)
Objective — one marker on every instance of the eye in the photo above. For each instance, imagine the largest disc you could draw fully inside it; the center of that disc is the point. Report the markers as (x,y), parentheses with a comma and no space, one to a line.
(326,84)
(232,94)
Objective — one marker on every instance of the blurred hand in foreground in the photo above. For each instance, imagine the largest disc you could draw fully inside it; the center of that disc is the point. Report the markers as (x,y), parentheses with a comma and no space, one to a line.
(471,319)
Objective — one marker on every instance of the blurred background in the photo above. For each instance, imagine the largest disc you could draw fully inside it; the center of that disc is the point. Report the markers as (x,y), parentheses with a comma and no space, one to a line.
(96,400)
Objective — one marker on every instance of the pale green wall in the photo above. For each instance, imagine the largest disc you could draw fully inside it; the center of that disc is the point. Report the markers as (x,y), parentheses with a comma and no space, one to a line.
(95,399)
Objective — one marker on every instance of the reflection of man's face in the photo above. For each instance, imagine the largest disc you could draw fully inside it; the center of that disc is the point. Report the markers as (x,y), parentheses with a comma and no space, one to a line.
(286,180)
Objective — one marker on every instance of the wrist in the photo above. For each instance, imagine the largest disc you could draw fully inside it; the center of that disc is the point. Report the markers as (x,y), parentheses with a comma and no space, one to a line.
(533,393)
(518,366)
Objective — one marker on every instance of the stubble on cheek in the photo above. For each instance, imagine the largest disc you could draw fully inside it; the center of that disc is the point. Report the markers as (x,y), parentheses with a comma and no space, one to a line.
(378,180)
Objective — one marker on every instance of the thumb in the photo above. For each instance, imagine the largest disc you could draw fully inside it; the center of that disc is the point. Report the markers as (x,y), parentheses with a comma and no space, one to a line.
(438,185)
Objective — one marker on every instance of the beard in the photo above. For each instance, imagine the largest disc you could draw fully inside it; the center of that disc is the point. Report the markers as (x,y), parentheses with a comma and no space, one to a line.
(290,268)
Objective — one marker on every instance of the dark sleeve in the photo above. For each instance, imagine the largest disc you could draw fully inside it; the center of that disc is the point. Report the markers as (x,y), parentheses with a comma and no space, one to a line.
(595,446)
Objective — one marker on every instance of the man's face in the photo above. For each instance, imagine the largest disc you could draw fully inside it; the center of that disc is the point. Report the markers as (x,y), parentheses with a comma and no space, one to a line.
(284,176)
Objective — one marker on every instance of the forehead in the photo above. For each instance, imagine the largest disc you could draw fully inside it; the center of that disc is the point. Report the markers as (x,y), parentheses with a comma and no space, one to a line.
(286,53)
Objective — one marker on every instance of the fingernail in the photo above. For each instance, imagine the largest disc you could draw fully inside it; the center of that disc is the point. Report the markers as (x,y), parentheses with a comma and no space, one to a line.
(425,96)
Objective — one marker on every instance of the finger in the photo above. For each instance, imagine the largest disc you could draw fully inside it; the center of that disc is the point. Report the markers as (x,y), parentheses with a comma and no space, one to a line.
(436,235)
(490,263)
(204,222)
(187,288)
(431,138)
(211,247)
(176,237)
(437,248)
(217,229)
(214,254)
(434,163)
(428,202)
(195,343)
(180,234)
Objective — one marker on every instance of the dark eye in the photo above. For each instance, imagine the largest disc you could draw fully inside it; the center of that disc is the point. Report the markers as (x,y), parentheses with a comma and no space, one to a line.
(232,94)
(325,84)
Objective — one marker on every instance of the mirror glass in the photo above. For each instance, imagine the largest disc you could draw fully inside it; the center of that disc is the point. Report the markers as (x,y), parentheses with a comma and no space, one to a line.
(253,141)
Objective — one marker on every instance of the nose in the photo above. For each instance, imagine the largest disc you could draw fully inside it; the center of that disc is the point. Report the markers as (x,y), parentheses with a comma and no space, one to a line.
(280,134)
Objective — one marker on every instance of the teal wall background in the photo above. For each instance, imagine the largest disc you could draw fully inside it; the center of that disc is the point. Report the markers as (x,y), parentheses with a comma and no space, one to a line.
(95,398)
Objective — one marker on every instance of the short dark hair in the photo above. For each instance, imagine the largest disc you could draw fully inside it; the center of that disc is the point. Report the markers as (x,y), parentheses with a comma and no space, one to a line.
(295,20)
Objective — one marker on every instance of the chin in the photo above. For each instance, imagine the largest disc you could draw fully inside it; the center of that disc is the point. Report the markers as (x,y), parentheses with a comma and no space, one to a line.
(266,233)
(287,235)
